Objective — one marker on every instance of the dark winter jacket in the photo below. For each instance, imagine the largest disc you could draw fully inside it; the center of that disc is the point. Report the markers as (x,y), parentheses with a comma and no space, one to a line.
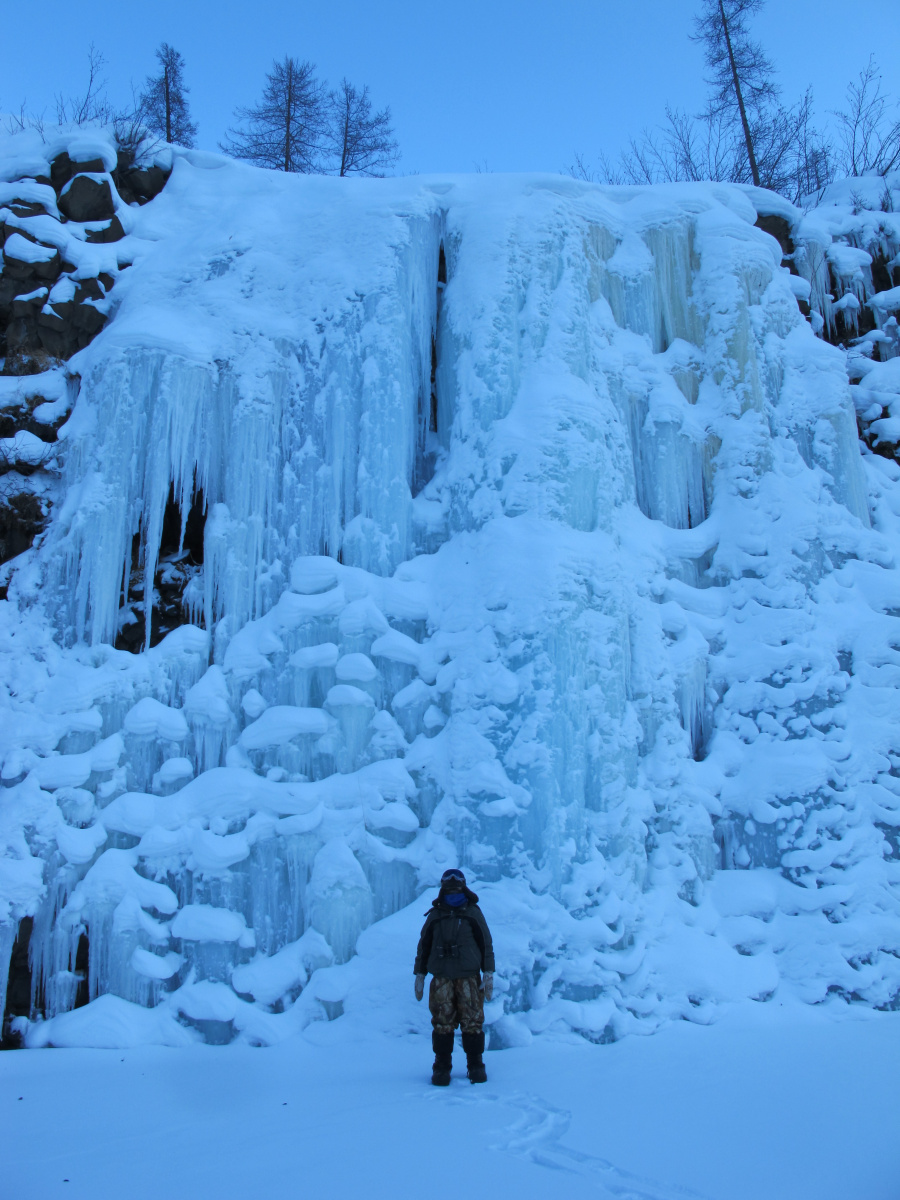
(455,942)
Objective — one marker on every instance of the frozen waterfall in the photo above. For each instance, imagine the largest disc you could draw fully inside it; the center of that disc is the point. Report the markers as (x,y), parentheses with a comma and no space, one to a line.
(537,540)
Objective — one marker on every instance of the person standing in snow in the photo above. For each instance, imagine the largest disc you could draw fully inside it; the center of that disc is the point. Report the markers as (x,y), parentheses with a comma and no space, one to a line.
(455,947)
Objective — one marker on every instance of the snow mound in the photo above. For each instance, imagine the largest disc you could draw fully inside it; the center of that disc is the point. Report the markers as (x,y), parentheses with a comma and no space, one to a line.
(110,1023)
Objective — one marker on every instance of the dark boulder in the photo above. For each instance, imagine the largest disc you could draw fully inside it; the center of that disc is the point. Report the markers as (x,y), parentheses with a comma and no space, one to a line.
(88,199)
(44,271)
(22,416)
(140,184)
(56,336)
(26,208)
(88,289)
(29,304)
(68,326)
(62,169)
(111,232)
(49,318)
(779,228)
(88,319)
(21,338)
(883,273)
(9,289)
(49,269)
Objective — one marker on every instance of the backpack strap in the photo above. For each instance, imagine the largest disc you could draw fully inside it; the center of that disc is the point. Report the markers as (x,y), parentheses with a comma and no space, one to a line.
(451,944)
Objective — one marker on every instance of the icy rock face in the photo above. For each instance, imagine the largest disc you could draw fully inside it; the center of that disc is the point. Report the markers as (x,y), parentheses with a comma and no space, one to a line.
(58,266)
(65,199)
(842,253)
(539,541)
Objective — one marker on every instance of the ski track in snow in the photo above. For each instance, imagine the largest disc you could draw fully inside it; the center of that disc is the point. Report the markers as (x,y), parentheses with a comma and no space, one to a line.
(536,1135)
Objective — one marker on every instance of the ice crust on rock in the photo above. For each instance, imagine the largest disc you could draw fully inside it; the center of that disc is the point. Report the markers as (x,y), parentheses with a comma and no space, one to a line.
(607,615)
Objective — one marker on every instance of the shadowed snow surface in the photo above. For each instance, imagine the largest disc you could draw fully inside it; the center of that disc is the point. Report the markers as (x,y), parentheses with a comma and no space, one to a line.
(787,1104)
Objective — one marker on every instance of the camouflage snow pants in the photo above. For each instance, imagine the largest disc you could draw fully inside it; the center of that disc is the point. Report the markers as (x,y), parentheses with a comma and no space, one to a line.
(456,1002)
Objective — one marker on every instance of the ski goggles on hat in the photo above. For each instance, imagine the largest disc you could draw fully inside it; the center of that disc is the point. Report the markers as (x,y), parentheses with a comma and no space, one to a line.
(453,876)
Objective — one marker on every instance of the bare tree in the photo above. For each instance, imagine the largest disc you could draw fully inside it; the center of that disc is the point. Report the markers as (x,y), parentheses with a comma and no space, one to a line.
(581,169)
(795,158)
(741,134)
(746,135)
(135,141)
(811,157)
(23,119)
(604,172)
(93,105)
(791,156)
(287,128)
(684,148)
(163,103)
(361,140)
(742,76)
(869,132)
(771,145)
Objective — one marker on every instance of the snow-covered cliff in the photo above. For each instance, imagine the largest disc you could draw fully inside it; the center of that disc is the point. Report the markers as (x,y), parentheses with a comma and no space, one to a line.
(522,524)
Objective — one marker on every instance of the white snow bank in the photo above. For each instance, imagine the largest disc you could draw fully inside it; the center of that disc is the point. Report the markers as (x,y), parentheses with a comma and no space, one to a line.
(111,1023)
(149,718)
(282,724)
(203,923)
(268,979)
(22,250)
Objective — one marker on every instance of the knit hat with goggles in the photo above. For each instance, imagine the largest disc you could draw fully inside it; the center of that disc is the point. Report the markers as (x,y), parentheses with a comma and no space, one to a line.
(453,880)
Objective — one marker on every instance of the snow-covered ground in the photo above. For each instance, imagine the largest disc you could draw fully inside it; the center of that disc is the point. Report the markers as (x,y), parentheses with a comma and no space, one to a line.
(772,1103)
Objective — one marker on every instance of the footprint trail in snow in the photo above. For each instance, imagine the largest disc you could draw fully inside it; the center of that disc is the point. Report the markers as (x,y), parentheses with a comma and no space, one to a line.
(536,1136)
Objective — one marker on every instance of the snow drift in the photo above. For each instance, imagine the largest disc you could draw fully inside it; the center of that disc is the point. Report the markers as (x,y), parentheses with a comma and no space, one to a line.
(539,539)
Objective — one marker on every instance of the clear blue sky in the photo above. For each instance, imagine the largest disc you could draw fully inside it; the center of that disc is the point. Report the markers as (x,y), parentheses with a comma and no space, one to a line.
(488,84)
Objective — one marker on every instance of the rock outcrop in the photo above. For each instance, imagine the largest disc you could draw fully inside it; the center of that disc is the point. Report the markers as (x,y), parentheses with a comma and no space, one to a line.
(61,217)
(843,253)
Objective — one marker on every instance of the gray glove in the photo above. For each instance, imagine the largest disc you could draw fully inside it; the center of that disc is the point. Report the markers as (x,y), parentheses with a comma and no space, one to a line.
(487,984)
(420,986)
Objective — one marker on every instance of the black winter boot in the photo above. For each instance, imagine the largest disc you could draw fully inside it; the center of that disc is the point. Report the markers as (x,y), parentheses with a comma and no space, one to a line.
(473,1044)
(442,1044)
